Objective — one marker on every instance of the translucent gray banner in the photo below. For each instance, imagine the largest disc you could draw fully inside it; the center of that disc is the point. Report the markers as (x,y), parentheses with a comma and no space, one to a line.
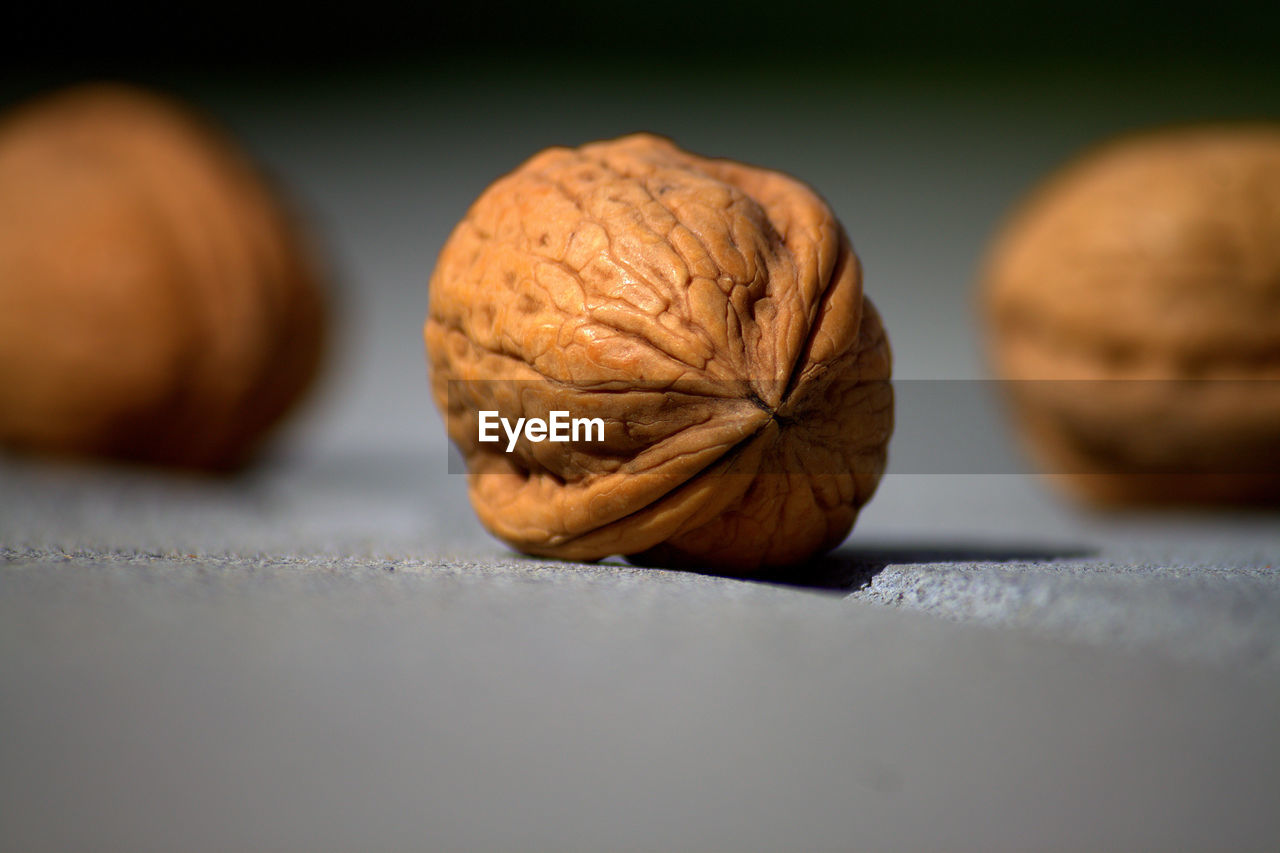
(946,426)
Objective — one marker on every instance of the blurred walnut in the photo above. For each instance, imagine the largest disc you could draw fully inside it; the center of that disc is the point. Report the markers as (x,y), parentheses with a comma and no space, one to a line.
(155,301)
(1149,273)
(710,313)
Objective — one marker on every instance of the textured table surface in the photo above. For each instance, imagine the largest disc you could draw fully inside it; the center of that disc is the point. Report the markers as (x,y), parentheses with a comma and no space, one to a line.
(328,653)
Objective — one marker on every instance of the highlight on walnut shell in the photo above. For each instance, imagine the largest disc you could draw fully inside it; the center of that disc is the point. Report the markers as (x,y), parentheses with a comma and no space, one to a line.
(1133,305)
(157,302)
(709,314)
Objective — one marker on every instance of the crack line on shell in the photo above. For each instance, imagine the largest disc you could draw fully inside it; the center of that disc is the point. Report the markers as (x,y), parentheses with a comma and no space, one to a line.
(846,256)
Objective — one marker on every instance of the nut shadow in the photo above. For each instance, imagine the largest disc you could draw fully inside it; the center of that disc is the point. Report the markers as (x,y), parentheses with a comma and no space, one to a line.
(853,568)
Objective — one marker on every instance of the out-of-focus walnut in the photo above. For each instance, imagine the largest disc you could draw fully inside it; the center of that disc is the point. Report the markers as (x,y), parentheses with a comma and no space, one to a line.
(710,313)
(1134,302)
(156,303)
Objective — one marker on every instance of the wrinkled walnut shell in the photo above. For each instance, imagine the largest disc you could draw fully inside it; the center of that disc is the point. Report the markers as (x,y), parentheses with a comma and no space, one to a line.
(1148,273)
(155,301)
(711,313)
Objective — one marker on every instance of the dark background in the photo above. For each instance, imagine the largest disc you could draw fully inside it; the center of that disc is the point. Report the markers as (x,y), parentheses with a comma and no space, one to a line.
(58,40)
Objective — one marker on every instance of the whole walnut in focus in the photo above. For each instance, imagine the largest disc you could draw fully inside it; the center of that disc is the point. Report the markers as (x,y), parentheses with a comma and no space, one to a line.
(710,313)
(1148,273)
(156,302)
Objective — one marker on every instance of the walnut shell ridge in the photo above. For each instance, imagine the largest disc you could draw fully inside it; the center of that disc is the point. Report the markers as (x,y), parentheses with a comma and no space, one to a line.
(709,312)
(157,302)
(1134,302)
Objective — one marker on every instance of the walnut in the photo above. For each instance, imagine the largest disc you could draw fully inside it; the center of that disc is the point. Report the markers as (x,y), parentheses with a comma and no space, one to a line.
(1149,273)
(155,301)
(709,313)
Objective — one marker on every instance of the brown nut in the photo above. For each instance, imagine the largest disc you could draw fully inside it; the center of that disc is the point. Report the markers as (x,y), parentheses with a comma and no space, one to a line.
(1148,273)
(155,301)
(710,313)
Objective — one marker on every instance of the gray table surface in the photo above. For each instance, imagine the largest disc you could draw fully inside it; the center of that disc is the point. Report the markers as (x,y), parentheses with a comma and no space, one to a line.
(329,653)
